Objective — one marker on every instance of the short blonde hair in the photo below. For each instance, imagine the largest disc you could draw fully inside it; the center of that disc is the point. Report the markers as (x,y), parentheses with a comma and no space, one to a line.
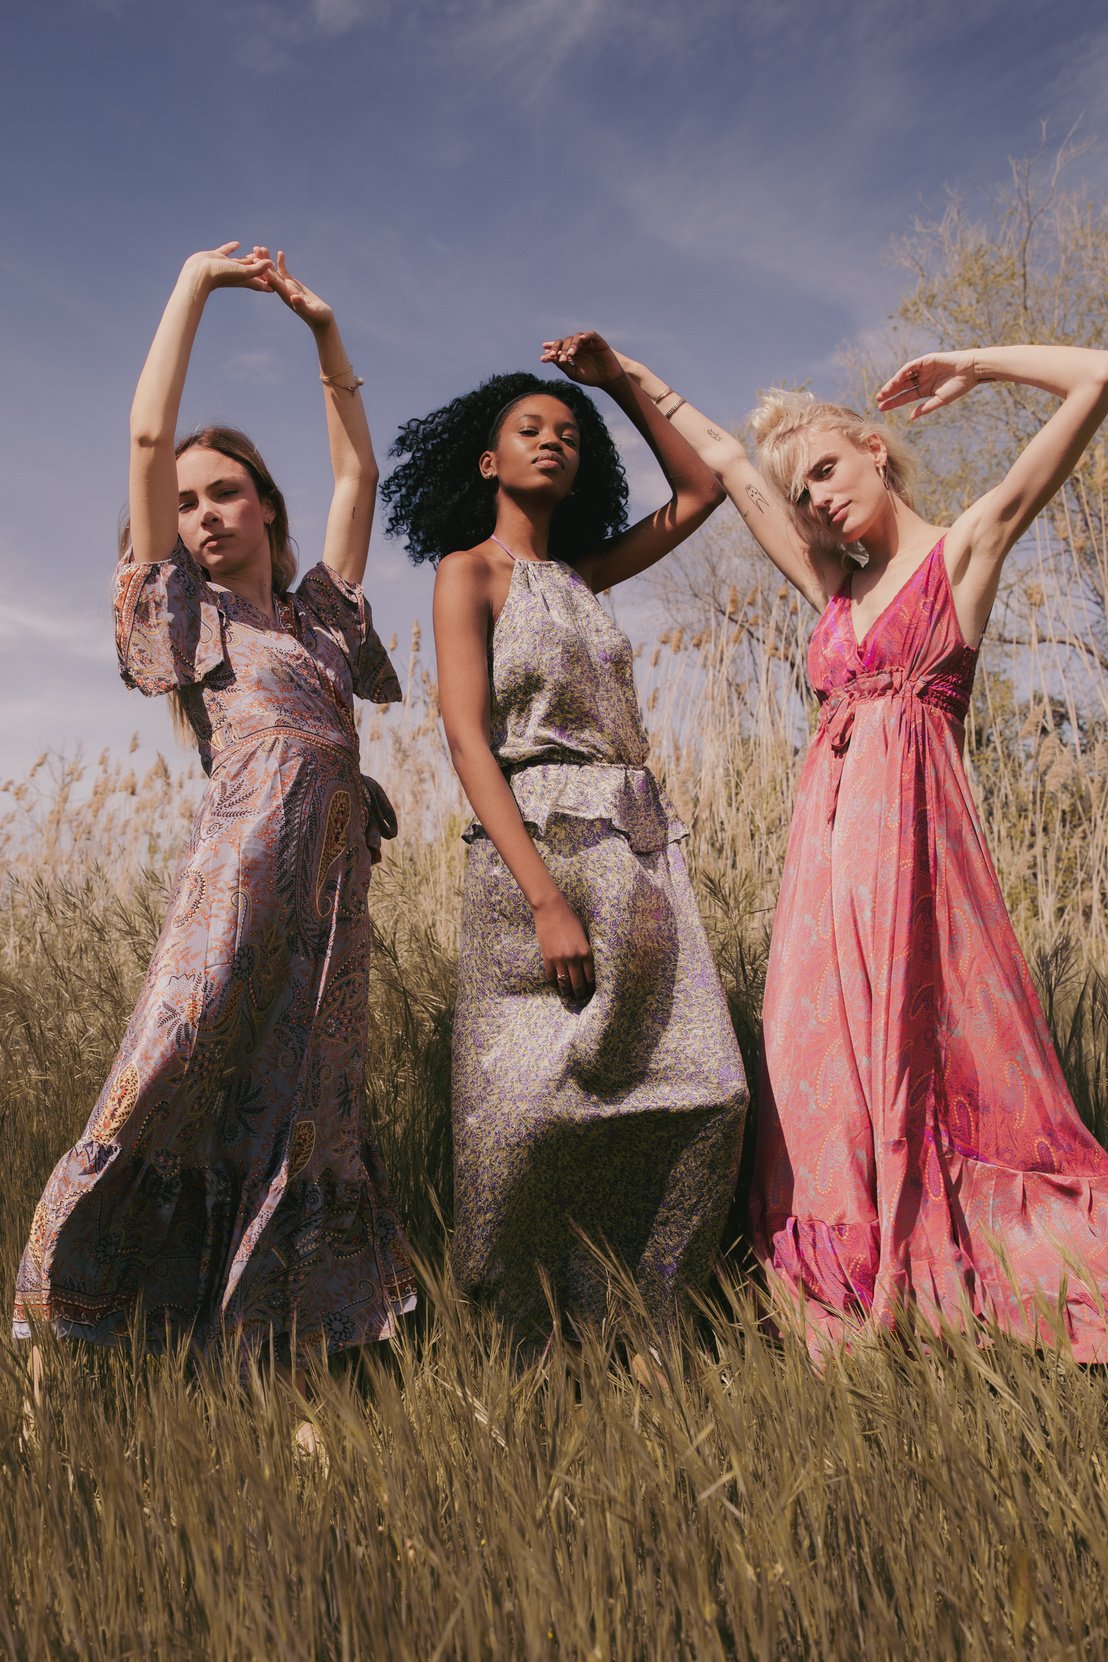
(780,424)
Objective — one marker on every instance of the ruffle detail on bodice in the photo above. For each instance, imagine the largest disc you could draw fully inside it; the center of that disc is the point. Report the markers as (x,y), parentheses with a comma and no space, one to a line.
(629,799)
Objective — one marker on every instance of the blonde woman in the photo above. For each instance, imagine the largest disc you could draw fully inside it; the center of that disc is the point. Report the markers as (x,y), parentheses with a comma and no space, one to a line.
(224,1184)
(916,1140)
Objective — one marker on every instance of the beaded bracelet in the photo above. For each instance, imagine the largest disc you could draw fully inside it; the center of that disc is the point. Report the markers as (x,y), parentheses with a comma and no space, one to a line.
(335,381)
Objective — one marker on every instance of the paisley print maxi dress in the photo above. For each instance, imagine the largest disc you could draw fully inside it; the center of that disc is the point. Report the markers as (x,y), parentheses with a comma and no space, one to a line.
(620,1118)
(225,1183)
(916,1140)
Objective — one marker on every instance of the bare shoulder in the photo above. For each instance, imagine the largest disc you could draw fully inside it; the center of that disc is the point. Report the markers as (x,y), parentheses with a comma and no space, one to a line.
(470,582)
(465,571)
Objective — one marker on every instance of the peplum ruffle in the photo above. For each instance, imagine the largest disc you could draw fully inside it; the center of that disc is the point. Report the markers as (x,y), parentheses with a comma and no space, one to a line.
(629,799)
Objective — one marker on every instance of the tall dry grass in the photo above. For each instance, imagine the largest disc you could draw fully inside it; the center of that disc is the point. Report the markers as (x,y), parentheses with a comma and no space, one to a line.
(915,1499)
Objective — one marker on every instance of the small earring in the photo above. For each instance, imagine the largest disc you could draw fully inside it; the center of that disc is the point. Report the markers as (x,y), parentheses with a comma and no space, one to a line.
(883,471)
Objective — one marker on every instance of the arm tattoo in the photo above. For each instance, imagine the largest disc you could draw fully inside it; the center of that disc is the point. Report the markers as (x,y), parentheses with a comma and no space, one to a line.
(714,433)
(757,498)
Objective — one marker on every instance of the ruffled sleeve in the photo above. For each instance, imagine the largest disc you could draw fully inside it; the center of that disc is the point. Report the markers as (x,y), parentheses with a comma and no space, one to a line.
(168,631)
(342,609)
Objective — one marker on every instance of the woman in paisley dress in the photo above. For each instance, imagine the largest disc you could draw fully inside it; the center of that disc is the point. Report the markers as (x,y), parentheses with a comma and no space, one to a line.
(225,1186)
(598,1089)
(917,1144)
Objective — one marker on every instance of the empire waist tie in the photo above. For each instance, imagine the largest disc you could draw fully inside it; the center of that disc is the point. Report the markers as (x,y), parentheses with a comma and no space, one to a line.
(838,709)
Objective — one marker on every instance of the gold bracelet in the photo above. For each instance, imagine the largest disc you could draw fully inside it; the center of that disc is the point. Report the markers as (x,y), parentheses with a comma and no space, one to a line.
(336,381)
(666,392)
(672,411)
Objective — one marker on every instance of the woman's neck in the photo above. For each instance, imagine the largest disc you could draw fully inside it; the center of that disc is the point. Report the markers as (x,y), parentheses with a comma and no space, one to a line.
(526,533)
(258,590)
(898,531)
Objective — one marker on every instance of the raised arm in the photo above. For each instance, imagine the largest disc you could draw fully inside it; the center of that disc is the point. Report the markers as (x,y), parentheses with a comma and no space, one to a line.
(811,570)
(463,618)
(981,538)
(152,484)
(353,464)
(588,359)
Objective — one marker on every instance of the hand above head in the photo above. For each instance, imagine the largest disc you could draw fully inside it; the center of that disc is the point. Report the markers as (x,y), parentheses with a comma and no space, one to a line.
(316,313)
(217,268)
(937,378)
(585,357)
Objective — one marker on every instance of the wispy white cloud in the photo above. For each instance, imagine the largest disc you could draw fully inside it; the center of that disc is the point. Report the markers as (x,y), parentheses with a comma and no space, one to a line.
(259,368)
(335,17)
(78,634)
(1081,87)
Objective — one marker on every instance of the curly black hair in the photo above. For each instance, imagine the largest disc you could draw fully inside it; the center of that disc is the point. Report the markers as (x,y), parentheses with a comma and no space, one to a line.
(437,500)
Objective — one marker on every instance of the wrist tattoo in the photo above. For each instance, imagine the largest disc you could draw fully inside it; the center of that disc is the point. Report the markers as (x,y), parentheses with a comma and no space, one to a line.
(757,498)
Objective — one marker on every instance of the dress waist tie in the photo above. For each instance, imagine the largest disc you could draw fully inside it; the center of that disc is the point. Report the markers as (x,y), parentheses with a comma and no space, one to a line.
(378,813)
(837,710)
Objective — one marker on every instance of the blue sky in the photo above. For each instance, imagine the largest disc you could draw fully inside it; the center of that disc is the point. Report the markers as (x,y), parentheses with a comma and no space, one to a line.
(714,184)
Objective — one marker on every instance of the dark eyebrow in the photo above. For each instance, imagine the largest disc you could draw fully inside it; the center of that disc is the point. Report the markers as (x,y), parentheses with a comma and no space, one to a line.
(829,456)
(213,485)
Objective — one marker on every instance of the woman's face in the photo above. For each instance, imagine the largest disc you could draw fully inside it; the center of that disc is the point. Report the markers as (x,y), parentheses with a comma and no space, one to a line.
(222,519)
(537,450)
(844,491)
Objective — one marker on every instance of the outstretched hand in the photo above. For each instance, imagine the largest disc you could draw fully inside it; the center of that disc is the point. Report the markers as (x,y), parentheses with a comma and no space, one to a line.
(585,358)
(317,314)
(218,268)
(929,382)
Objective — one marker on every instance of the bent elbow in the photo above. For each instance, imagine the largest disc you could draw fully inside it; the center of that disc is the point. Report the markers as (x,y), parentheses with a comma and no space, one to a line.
(147,438)
(465,749)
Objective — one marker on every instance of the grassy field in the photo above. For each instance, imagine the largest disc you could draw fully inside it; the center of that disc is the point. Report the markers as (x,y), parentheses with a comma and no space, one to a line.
(916,1499)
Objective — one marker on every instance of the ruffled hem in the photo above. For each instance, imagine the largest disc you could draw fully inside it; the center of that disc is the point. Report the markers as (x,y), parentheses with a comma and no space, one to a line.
(1036,1285)
(336,1332)
(627,798)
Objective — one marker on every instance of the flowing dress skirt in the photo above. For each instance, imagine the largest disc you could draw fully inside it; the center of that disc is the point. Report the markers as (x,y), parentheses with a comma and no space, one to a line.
(617,1121)
(225,1181)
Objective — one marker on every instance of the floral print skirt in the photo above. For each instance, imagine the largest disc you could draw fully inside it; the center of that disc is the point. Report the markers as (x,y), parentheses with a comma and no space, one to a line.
(612,1124)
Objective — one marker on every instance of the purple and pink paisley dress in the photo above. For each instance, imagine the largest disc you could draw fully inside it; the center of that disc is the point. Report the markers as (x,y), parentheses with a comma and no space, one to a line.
(225,1184)
(916,1140)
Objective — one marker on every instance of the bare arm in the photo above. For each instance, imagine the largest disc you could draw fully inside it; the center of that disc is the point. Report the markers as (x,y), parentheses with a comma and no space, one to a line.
(815,573)
(353,463)
(462,619)
(588,359)
(981,538)
(152,484)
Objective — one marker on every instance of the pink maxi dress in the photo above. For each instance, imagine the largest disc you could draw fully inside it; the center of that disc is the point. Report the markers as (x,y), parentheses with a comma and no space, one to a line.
(917,1143)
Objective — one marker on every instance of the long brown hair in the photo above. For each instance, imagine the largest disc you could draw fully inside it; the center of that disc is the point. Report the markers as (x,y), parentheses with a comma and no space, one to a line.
(235,445)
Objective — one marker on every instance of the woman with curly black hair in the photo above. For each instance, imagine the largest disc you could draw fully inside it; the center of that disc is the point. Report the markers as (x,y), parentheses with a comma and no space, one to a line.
(598,1089)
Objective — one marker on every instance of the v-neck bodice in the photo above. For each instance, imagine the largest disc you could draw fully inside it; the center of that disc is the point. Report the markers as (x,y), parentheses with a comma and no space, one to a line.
(913,649)
(917,634)
(244,673)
